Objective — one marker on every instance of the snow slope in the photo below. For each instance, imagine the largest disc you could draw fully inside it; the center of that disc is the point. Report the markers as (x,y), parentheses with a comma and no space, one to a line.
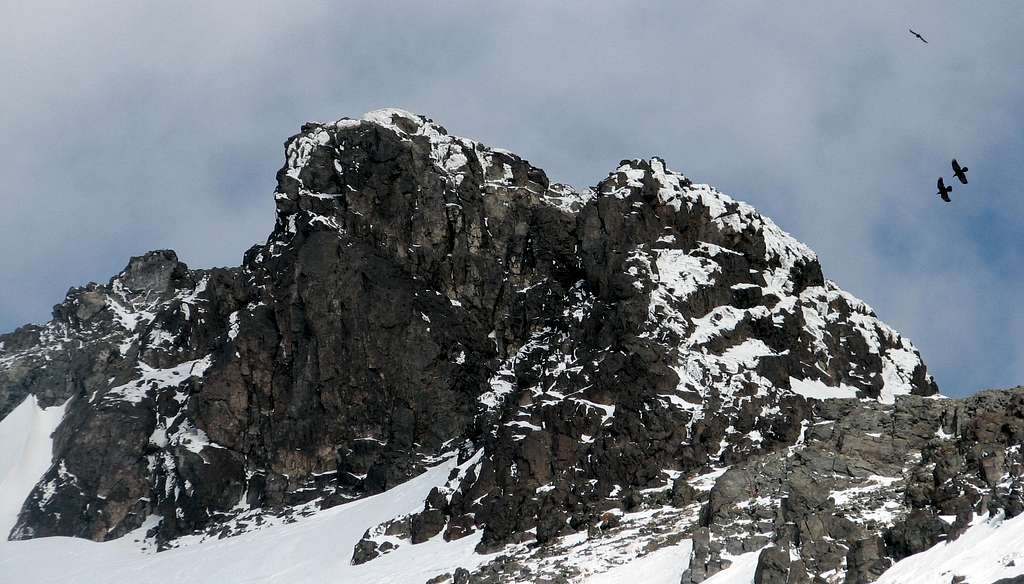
(313,550)
(990,550)
(25,454)
(740,572)
(663,566)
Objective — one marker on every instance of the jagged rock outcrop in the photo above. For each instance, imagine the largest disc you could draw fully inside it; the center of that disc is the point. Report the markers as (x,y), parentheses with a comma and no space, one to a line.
(587,353)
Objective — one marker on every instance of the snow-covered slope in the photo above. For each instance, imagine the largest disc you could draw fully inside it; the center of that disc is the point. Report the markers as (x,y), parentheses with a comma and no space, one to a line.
(26,451)
(663,566)
(991,549)
(741,571)
(313,550)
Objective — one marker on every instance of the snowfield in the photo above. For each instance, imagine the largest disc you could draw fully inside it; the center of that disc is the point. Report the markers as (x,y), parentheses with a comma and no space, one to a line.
(990,550)
(25,454)
(664,566)
(312,550)
(740,572)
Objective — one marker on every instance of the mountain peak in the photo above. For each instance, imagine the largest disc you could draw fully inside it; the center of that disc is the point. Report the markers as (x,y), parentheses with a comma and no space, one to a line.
(574,356)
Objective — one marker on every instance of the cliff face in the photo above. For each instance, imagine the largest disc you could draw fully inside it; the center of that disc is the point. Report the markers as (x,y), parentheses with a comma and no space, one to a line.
(587,354)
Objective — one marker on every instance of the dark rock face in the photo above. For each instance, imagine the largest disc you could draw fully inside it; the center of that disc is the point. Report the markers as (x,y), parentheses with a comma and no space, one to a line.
(586,354)
(773,567)
(869,484)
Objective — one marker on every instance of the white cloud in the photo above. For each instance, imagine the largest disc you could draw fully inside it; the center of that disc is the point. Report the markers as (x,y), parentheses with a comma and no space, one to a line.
(127,127)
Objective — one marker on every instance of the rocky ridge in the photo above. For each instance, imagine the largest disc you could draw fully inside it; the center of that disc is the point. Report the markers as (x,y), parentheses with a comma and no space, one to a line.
(637,363)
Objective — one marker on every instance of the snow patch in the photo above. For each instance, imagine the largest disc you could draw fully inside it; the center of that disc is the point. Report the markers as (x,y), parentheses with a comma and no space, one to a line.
(815,389)
(662,566)
(26,449)
(233,326)
(991,549)
(741,571)
(152,379)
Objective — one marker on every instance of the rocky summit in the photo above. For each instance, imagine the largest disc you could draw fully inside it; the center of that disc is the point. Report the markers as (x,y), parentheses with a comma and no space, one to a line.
(642,369)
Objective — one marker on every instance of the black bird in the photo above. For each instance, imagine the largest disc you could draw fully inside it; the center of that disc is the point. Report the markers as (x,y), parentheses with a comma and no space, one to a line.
(918,36)
(960,171)
(944,190)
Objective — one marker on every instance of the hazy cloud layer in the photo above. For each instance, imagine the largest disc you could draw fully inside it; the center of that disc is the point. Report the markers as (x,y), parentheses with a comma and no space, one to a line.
(126,127)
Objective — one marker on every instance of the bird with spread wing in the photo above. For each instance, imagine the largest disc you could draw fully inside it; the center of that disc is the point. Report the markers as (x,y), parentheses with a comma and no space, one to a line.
(944,190)
(960,171)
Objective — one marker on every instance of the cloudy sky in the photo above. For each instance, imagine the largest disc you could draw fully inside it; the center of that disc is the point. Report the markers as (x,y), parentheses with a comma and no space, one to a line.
(141,125)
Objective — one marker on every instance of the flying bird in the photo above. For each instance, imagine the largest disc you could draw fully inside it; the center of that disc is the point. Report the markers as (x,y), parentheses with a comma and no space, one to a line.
(960,171)
(944,190)
(921,38)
